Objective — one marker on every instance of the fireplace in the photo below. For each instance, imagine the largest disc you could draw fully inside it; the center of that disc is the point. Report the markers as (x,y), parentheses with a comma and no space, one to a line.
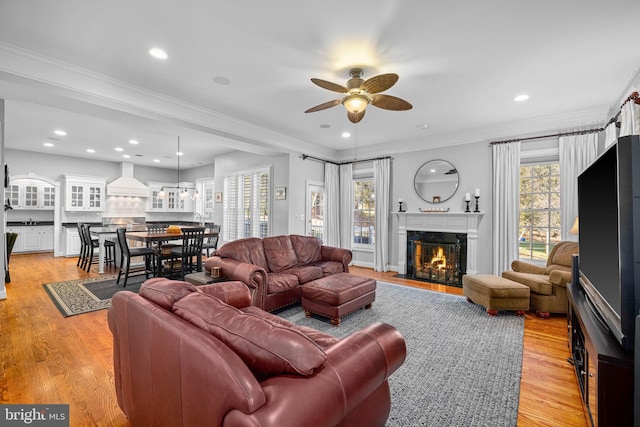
(437,257)
(466,223)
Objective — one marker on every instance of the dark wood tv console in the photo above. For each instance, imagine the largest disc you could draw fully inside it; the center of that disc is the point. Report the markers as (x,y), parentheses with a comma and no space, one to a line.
(604,371)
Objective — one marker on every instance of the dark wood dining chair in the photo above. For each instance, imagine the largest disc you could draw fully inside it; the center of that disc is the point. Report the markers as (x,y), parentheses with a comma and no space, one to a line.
(82,256)
(90,246)
(190,252)
(210,244)
(126,253)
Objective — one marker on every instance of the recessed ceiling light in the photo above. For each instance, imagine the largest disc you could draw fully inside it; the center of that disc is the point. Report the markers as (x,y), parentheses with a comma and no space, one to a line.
(126,156)
(59,132)
(158,53)
(222,80)
(48,144)
(119,149)
(156,160)
(133,141)
(423,126)
(521,98)
(90,150)
(179,153)
(346,134)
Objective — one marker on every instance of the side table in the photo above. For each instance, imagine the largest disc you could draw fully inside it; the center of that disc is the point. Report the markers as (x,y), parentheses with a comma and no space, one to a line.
(203,278)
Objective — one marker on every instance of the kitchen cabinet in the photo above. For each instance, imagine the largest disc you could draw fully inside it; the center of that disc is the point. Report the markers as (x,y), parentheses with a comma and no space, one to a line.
(84,193)
(29,193)
(32,238)
(171,201)
(72,241)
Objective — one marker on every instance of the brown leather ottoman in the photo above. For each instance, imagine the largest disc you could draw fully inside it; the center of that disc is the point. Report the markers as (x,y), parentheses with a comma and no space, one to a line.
(496,293)
(337,295)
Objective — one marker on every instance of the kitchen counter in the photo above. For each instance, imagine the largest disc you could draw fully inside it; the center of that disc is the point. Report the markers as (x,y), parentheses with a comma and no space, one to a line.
(28,223)
(75,224)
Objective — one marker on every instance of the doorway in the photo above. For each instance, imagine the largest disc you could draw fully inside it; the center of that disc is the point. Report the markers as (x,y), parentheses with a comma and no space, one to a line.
(315,209)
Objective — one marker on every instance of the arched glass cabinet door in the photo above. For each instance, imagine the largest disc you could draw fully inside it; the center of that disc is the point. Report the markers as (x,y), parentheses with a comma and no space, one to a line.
(436,181)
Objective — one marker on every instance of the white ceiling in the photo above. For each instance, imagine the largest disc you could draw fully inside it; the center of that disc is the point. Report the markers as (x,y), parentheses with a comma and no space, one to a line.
(83,66)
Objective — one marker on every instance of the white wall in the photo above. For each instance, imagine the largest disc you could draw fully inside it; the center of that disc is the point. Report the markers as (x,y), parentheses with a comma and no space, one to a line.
(300,172)
(239,161)
(473,162)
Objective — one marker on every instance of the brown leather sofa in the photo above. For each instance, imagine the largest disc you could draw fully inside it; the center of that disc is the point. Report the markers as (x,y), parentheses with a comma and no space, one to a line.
(275,267)
(203,356)
(548,284)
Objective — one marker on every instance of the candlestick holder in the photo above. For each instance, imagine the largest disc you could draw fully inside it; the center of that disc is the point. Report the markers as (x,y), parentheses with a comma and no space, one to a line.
(467,202)
(401,207)
(477,208)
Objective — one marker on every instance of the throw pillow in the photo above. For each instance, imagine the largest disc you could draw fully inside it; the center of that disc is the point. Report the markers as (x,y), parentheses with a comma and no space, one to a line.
(308,249)
(279,253)
(266,347)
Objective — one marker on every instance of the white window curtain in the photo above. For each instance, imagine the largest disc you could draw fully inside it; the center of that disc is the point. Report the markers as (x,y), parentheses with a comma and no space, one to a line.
(332,204)
(506,203)
(381,176)
(630,119)
(346,206)
(610,134)
(576,153)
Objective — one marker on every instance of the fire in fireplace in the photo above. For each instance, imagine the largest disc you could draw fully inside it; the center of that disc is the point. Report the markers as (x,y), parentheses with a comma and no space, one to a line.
(437,257)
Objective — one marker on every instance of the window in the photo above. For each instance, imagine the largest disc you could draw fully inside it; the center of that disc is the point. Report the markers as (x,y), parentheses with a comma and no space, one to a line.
(364,211)
(204,202)
(246,204)
(539,210)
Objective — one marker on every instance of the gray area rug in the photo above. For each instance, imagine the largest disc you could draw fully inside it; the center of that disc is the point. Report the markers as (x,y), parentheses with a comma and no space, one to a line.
(85,295)
(463,367)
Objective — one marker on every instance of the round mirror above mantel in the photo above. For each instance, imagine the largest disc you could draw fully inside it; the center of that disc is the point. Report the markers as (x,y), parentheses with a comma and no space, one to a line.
(436,181)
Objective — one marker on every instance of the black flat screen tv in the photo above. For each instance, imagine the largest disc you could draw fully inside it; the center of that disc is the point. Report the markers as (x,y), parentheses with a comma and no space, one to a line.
(609,232)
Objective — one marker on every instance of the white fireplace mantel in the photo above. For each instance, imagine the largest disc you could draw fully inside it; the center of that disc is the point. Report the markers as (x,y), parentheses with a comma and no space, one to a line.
(449,222)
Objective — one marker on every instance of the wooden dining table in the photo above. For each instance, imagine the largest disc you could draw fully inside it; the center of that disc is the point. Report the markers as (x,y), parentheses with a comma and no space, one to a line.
(152,236)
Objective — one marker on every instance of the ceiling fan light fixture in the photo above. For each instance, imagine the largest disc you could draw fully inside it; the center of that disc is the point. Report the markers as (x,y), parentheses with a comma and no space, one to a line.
(355,103)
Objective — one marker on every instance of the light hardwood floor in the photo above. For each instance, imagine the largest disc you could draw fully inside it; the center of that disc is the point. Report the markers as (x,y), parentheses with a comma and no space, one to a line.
(46,358)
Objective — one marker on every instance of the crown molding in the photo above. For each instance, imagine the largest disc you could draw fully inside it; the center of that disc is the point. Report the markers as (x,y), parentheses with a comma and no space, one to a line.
(595,117)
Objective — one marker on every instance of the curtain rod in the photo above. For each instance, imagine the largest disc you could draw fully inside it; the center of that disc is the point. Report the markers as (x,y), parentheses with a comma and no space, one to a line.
(317,159)
(635,97)
(529,138)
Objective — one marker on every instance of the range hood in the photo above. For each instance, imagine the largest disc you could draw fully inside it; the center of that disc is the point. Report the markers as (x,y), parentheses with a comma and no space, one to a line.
(127,185)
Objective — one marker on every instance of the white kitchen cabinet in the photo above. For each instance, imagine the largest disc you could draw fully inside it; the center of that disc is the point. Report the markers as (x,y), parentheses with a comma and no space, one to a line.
(32,238)
(34,194)
(171,201)
(18,245)
(84,193)
(72,241)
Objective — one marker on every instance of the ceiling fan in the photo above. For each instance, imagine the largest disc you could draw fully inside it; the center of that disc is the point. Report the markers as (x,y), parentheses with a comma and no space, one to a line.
(360,93)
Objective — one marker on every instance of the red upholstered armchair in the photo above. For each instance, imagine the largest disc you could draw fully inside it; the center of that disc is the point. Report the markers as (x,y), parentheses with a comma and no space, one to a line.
(203,356)
(275,267)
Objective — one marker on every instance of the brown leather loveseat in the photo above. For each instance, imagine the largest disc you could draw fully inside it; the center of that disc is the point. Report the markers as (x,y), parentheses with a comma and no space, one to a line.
(203,356)
(275,267)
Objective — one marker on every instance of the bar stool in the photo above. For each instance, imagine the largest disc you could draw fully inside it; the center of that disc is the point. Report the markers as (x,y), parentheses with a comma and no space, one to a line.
(109,252)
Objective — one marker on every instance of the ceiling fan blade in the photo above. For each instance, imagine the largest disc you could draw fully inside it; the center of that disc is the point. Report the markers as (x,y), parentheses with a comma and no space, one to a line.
(323,106)
(379,83)
(330,86)
(388,102)
(355,117)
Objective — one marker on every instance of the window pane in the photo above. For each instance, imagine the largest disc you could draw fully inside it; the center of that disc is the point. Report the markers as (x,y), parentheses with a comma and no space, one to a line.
(363,211)
(539,210)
